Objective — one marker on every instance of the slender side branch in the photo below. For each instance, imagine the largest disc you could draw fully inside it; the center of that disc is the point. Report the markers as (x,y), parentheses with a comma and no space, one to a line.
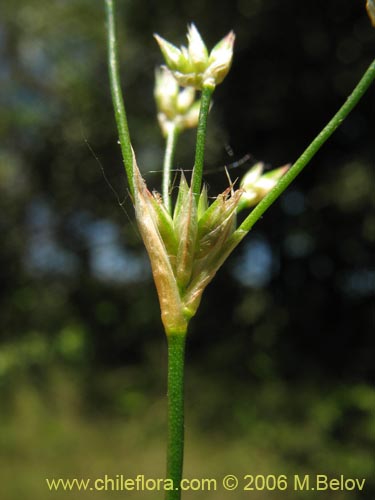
(117,98)
(175,451)
(196,180)
(167,165)
(309,153)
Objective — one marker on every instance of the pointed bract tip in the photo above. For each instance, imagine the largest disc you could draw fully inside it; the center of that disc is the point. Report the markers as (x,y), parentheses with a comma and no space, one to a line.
(171,53)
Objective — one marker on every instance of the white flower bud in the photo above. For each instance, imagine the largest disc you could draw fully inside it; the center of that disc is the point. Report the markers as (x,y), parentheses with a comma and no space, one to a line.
(171,53)
(256,185)
(252,176)
(191,117)
(220,59)
(197,50)
(166,91)
(176,108)
(185,99)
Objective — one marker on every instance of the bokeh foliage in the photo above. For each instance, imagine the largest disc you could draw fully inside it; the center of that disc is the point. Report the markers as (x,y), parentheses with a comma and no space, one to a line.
(280,354)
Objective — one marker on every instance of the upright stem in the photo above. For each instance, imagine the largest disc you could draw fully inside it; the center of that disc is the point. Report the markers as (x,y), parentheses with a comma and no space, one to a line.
(117,98)
(175,451)
(170,147)
(196,180)
(309,153)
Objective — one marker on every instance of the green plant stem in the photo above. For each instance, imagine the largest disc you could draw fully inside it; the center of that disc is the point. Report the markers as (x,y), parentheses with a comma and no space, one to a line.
(196,181)
(170,148)
(117,98)
(310,152)
(175,451)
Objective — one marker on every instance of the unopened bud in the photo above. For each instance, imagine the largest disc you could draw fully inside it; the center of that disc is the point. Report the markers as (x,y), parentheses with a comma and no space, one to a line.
(176,108)
(190,119)
(166,92)
(256,185)
(220,59)
(172,55)
(197,49)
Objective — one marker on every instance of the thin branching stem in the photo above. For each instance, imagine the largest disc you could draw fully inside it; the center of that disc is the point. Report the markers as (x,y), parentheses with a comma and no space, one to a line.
(310,152)
(170,148)
(196,181)
(117,98)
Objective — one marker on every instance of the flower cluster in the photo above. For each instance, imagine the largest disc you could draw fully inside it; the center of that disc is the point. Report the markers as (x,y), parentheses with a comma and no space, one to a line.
(193,66)
(186,248)
(176,107)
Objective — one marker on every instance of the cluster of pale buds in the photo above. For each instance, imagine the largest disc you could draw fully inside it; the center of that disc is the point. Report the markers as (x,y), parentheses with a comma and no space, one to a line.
(193,66)
(256,184)
(176,108)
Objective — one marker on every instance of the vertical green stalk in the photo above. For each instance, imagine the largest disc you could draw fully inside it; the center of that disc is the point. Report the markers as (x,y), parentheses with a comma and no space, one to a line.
(117,98)
(170,147)
(196,181)
(309,153)
(175,450)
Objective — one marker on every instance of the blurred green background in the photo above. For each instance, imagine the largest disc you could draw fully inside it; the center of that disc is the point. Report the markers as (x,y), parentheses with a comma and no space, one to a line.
(280,355)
